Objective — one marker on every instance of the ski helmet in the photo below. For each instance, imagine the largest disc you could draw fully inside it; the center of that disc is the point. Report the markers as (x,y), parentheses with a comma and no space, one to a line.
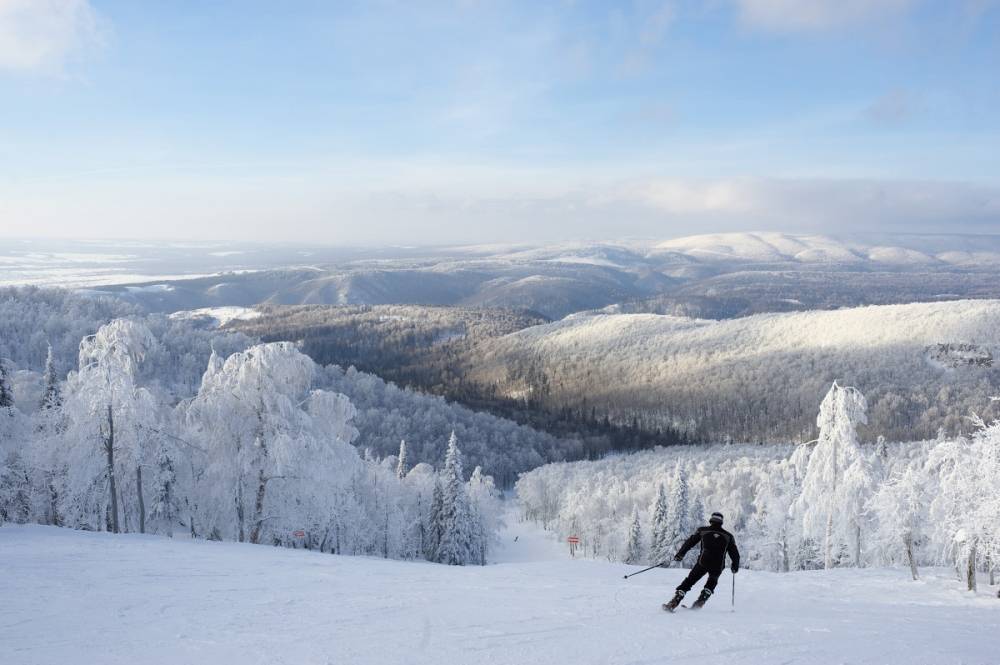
(716,518)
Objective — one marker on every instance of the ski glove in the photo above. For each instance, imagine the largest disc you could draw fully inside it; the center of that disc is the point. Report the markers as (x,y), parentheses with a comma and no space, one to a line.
(735,569)
(678,557)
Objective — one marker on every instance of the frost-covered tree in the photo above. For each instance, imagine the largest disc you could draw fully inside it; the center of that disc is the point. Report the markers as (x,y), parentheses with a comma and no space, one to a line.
(402,465)
(457,527)
(106,403)
(678,508)
(51,397)
(249,419)
(634,552)
(829,505)
(165,510)
(660,545)
(900,508)
(487,512)
(435,521)
(6,394)
(965,474)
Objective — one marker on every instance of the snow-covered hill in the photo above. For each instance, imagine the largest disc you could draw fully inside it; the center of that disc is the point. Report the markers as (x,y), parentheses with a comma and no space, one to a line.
(96,598)
(765,373)
(875,251)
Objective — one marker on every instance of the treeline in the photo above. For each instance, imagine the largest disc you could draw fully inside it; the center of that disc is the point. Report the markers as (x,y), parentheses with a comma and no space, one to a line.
(827,503)
(258,454)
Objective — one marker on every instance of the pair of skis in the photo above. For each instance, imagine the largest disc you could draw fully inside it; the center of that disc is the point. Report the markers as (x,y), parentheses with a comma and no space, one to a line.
(667,608)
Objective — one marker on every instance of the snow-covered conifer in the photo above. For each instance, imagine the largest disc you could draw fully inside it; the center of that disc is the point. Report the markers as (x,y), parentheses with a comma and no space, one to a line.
(457,528)
(660,546)
(634,550)
(402,466)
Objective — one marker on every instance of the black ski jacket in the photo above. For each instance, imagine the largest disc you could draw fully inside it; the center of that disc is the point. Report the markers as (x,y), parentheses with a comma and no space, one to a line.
(716,542)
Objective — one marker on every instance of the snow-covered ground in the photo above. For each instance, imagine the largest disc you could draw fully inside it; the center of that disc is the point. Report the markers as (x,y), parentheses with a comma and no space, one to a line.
(221,315)
(76,597)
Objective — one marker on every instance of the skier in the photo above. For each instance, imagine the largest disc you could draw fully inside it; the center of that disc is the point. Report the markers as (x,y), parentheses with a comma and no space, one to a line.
(716,542)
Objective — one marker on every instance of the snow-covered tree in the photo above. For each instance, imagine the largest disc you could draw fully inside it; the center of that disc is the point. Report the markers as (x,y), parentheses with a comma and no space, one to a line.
(660,545)
(165,510)
(965,474)
(678,508)
(457,527)
(435,521)
(901,510)
(402,465)
(6,394)
(634,551)
(51,397)
(486,512)
(829,505)
(107,404)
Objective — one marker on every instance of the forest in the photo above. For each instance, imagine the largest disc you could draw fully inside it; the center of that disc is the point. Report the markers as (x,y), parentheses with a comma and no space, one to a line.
(835,501)
(259,454)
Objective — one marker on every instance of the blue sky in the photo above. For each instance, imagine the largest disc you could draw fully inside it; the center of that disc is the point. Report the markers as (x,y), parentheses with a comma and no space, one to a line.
(475,121)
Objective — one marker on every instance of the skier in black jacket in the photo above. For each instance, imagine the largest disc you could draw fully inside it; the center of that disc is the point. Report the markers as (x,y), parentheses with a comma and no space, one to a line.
(716,542)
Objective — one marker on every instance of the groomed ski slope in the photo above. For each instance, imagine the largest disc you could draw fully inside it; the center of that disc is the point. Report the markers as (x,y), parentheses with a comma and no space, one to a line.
(81,598)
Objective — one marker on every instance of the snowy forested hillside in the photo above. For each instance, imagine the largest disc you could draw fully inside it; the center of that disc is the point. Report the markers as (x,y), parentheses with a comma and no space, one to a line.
(922,366)
(386,414)
(172,368)
(260,454)
(833,502)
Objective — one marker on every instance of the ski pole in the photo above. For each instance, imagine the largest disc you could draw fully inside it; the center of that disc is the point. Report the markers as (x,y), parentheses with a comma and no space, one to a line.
(734,592)
(644,570)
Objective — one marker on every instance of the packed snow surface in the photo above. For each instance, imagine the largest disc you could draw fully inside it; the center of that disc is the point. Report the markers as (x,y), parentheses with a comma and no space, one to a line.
(76,597)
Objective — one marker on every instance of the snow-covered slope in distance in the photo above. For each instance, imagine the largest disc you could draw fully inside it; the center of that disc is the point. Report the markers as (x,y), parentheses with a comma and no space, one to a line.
(96,598)
(770,368)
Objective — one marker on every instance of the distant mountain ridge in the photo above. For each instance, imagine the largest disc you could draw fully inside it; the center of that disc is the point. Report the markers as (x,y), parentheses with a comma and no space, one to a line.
(714,276)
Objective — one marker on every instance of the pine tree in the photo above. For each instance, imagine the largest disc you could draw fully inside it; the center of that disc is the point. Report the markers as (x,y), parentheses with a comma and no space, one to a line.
(678,510)
(6,395)
(435,522)
(51,398)
(166,508)
(401,466)
(456,517)
(633,551)
(659,545)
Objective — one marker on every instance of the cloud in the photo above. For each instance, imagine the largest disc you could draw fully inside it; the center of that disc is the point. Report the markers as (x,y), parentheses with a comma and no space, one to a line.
(821,204)
(816,15)
(40,35)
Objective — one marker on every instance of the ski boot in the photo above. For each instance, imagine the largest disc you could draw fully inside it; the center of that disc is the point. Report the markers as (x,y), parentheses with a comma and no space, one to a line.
(702,599)
(674,602)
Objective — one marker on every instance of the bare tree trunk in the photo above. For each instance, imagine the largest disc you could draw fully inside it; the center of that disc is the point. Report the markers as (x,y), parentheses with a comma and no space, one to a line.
(970,567)
(142,503)
(857,546)
(54,518)
(908,540)
(109,448)
(258,507)
(828,545)
(239,509)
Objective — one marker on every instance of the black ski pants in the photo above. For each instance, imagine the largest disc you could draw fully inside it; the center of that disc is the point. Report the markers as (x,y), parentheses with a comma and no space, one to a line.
(696,574)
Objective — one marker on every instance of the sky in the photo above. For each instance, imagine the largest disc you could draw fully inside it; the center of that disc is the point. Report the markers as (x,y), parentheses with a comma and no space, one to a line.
(373,123)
